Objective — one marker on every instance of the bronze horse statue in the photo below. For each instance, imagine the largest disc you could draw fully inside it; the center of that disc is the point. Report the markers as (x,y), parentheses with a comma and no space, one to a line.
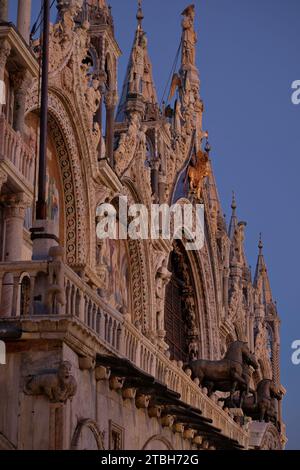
(261,406)
(228,374)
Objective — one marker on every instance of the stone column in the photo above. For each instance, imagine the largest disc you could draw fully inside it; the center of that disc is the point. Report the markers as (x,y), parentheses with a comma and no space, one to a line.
(22,82)
(5,49)
(3,10)
(16,205)
(110,103)
(24,18)
(155,178)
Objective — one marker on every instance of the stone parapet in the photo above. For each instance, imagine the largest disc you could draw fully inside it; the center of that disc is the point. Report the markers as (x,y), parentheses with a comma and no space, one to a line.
(88,325)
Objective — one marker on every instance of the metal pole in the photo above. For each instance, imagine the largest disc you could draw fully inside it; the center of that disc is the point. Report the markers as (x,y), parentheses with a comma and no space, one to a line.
(41,207)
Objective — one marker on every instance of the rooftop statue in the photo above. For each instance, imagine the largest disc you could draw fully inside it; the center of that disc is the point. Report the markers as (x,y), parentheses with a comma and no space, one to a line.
(138,64)
(189,37)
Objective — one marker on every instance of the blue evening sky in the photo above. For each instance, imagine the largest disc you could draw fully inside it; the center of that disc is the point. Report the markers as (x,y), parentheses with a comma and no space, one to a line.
(248,56)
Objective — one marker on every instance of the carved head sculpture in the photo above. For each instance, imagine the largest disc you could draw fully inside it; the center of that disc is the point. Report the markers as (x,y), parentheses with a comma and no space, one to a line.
(189,11)
(64,371)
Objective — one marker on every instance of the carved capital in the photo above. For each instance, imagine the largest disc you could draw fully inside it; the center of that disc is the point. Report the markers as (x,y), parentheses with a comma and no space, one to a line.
(15,205)
(5,49)
(21,81)
(111,99)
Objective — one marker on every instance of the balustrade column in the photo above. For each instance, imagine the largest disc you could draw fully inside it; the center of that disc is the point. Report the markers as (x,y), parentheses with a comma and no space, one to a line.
(31,296)
(5,49)
(7,287)
(82,308)
(15,207)
(16,297)
(121,339)
(102,325)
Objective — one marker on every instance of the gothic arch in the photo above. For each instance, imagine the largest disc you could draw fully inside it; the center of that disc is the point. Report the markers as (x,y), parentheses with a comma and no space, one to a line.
(140,270)
(202,274)
(139,259)
(92,426)
(75,196)
(163,442)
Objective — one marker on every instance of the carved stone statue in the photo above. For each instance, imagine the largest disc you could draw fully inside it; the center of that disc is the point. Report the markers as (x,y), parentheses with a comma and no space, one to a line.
(55,291)
(238,241)
(142,138)
(58,386)
(189,37)
(178,118)
(93,96)
(162,278)
(127,144)
(137,64)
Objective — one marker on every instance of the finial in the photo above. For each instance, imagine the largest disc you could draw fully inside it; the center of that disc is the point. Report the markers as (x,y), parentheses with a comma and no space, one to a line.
(207,146)
(260,244)
(140,14)
(233,202)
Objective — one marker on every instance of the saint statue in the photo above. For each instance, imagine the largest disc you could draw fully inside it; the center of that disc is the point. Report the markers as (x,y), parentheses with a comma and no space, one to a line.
(189,37)
(137,64)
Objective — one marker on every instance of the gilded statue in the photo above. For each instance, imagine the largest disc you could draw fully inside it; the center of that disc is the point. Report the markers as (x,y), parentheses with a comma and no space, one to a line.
(198,172)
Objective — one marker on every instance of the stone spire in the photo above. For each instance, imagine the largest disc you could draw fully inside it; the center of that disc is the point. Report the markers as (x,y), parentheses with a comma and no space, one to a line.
(234,220)
(261,278)
(138,84)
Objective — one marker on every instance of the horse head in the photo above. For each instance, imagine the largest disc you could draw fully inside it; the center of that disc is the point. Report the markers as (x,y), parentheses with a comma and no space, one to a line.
(264,388)
(249,358)
(275,392)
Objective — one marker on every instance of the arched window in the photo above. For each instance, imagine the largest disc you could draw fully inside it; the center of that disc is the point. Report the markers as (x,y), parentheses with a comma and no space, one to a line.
(180,319)
(25,296)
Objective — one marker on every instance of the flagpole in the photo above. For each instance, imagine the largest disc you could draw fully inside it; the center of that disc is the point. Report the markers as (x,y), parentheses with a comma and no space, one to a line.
(42,174)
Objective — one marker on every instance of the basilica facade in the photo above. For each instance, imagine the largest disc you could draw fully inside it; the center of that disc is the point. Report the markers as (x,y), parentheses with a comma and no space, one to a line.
(117,343)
